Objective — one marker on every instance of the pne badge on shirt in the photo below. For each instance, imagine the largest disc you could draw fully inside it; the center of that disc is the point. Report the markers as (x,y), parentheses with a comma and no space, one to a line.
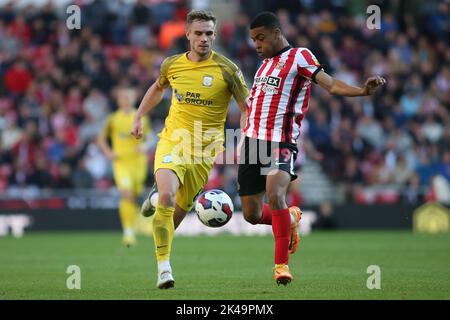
(207,81)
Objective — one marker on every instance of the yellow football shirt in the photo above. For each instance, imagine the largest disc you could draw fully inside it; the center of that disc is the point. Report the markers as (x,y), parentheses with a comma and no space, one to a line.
(117,128)
(201,93)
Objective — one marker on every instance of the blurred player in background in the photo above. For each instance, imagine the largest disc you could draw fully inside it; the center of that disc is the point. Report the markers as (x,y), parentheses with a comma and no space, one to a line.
(203,83)
(277,104)
(129,158)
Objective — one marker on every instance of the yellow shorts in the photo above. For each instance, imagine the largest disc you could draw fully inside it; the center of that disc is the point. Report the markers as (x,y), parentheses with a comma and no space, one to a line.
(131,175)
(193,175)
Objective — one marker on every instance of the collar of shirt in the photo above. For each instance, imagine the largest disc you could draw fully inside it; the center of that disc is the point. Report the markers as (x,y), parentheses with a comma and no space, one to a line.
(281,51)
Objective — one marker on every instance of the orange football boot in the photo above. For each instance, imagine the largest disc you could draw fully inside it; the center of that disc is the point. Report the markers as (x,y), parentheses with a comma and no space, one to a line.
(282,274)
(295,238)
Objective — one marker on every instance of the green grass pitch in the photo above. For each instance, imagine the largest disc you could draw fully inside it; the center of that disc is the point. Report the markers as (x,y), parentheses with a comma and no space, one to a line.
(328,265)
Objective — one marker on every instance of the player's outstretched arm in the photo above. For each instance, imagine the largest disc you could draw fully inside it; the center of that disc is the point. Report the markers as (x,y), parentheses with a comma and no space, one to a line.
(338,87)
(151,99)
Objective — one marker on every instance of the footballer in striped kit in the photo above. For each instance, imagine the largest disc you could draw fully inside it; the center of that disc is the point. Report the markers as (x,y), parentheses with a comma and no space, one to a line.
(277,104)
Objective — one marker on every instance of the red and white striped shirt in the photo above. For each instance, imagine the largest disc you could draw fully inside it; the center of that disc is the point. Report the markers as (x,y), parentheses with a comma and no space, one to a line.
(280,95)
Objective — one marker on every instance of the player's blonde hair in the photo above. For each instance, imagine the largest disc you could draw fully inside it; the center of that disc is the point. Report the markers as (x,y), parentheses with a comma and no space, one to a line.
(201,15)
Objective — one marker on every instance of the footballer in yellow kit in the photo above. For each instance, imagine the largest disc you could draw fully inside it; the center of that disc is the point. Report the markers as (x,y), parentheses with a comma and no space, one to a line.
(194,129)
(129,160)
(203,83)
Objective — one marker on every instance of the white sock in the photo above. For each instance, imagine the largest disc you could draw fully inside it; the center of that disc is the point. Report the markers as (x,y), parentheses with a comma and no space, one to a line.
(164,265)
(154,199)
(128,232)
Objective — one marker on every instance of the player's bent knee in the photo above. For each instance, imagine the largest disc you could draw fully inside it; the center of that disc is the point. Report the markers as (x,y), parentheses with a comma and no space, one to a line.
(166,198)
(252,218)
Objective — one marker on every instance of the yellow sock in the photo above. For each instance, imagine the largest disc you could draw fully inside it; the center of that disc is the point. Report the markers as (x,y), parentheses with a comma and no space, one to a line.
(163,231)
(127,212)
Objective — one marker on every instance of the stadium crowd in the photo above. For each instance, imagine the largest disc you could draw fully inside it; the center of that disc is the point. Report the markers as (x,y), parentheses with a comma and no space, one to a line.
(57,86)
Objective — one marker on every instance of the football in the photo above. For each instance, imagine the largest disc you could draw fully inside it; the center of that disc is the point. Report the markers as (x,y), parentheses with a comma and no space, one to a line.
(214,208)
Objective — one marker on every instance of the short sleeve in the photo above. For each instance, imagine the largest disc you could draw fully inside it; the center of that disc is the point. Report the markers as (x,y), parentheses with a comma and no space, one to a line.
(233,77)
(239,88)
(308,65)
(163,79)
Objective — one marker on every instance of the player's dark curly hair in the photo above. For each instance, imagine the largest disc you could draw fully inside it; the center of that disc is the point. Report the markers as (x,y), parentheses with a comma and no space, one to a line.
(265,19)
(201,15)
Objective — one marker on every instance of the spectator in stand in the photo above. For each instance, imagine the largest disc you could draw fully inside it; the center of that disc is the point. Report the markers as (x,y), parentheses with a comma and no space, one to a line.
(444,165)
(41,176)
(119,14)
(141,32)
(170,31)
(18,78)
(414,192)
(95,16)
(402,173)
(81,178)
